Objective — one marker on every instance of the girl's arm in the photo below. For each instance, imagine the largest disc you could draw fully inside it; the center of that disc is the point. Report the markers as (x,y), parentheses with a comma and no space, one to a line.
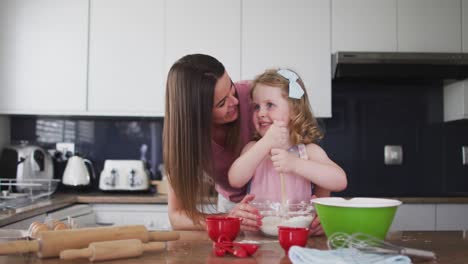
(319,169)
(243,168)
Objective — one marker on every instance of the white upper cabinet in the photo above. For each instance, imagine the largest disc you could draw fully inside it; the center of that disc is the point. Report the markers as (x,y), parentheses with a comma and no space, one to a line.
(456,101)
(429,25)
(364,25)
(126,54)
(206,26)
(291,34)
(465,25)
(43,56)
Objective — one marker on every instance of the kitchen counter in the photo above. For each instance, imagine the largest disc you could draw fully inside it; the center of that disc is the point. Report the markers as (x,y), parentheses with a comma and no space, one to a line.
(60,200)
(195,247)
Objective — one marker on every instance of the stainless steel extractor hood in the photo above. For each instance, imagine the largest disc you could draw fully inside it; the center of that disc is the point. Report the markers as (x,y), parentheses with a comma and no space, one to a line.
(399,65)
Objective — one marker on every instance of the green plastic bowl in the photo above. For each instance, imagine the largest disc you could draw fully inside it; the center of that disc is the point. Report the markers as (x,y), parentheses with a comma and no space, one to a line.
(372,216)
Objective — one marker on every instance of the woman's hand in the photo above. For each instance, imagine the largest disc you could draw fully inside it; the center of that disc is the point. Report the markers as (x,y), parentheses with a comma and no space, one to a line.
(316,227)
(251,218)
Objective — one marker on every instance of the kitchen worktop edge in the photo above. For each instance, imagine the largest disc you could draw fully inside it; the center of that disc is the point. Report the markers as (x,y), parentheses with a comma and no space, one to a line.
(60,200)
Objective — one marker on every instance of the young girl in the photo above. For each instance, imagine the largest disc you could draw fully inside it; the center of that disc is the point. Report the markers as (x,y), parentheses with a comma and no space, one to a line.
(286,136)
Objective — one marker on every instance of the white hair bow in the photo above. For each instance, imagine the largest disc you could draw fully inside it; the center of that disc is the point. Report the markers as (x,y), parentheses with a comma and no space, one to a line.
(295,90)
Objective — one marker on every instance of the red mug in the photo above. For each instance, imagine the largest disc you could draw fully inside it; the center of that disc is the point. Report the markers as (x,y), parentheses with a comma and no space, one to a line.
(223,227)
(292,236)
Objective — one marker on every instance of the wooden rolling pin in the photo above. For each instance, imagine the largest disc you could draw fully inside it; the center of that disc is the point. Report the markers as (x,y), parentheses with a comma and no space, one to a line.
(51,243)
(109,250)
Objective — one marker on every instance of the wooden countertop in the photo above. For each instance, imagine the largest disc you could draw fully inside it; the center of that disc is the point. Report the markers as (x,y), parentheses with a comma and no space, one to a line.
(195,247)
(162,198)
(138,198)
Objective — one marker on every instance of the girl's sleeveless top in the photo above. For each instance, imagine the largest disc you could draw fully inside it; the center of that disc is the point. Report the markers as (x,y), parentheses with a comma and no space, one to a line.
(266,182)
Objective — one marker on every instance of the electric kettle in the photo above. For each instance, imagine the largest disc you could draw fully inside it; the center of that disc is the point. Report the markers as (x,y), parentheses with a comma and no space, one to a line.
(77,172)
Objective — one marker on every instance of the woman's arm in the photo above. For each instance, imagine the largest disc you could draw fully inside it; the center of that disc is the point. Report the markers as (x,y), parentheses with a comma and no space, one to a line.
(180,221)
(319,169)
(177,216)
(316,227)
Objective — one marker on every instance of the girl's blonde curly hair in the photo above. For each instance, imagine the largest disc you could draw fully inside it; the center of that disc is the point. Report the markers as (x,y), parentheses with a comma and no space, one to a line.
(303,127)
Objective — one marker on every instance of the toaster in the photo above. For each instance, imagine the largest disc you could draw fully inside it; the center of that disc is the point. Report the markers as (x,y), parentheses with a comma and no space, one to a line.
(124,175)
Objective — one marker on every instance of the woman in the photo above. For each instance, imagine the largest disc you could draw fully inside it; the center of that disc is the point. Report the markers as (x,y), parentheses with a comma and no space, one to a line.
(207,122)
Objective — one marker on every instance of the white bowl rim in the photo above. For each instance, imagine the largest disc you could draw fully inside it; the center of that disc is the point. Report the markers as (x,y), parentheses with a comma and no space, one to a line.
(358,202)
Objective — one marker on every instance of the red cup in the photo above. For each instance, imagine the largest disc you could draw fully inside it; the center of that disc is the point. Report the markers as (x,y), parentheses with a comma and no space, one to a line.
(292,236)
(226,228)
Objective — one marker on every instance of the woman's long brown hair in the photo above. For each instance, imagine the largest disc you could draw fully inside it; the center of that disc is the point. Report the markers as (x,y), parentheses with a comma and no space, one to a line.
(187,128)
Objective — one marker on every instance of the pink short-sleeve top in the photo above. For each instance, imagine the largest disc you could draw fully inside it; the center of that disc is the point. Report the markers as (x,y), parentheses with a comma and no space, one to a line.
(223,158)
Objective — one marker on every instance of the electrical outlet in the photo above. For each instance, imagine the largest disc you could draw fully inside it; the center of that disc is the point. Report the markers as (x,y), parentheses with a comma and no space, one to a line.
(465,155)
(64,147)
(393,155)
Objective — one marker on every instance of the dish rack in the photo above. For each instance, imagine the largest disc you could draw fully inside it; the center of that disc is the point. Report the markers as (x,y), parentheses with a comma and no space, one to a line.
(31,191)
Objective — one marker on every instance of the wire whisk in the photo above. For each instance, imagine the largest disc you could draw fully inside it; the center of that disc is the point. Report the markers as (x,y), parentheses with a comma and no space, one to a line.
(370,244)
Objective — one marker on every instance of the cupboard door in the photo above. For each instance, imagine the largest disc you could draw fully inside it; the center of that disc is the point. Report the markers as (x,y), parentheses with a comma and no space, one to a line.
(429,25)
(364,25)
(207,26)
(43,56)
(465,25)
(415,217)
(455,174)
(25,223)
(452,217)
(301,42)
(153,216)
(126,50)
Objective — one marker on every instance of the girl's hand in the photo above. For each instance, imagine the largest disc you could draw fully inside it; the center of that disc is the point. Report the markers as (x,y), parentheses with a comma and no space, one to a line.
(283,161)
(251,218)
(277,135)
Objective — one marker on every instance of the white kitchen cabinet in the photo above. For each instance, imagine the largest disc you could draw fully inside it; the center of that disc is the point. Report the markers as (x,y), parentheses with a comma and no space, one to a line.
(210,27)
(429,25)
(290,34)
(126,54)
(153,216)
(456,101)
(465,25)
(25,223)
(452,217)
(415,217)
(364,25)
(43,56)
(81,214)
